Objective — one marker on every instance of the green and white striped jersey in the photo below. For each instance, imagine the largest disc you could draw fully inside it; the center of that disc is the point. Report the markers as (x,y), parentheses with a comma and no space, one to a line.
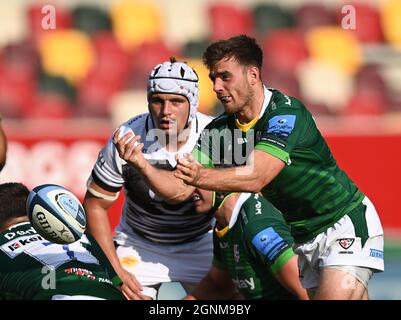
(311,191)
(255,247)
(33,268)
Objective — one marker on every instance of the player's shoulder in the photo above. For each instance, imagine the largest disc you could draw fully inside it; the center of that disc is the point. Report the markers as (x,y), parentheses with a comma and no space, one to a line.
(137,122)
(203,120)
(218,122)
(281,100)
(257,207)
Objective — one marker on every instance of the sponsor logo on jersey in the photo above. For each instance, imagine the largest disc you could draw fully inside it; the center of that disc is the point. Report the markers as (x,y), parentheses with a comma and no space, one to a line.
(269,243)
(375,253)
(80,272)
(281,125)
(346,243)
(236,253)
(12,235)
(244,283)
(16,246)
(258,208)
(282,145)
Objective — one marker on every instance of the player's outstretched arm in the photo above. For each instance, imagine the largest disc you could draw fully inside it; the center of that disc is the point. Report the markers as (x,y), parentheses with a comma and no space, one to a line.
(217,284)
(162,182)
(99,227)
(288,276)
(261,170)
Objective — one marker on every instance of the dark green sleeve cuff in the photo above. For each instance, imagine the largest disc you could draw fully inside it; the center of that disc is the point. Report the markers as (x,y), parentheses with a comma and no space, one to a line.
(117,281)
(282,260)
(274,151)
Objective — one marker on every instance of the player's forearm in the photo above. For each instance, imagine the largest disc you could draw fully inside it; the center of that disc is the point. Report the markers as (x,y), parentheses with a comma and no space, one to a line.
(99,227)
(208,289)
(288,276)
(239,179)
(166,185)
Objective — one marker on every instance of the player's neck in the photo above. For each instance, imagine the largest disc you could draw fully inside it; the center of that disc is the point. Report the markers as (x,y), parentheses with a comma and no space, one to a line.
(13,221)
(223,215)
(175,142)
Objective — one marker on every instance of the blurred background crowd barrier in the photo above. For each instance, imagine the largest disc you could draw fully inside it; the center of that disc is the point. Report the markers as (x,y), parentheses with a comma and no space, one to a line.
(71,71)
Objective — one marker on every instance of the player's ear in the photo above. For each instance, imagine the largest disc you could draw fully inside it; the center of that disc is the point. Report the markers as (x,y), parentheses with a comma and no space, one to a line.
(253,74)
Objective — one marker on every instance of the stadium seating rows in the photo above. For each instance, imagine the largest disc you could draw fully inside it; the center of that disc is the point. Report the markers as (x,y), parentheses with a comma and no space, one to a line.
(96,54)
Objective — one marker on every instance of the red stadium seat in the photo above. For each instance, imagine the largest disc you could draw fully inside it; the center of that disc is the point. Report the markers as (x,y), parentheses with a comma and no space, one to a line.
(363,103)
(285,82)
(95,94)
(18,67)
(35,19)
(371,96)
(228,20)
(50,107)
(284,50)
(144,58)
(312,15)
(111,60)
(368,26)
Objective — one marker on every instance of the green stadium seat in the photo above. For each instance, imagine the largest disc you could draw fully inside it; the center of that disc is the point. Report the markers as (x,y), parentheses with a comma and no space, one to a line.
(268,17)
(91,19)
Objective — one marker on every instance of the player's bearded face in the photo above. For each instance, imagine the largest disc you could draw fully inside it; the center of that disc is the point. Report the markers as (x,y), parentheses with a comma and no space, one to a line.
(231,84)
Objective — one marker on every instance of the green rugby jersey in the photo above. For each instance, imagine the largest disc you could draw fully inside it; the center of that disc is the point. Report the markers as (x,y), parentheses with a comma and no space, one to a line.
(27,262)
(311,191)
(255,248)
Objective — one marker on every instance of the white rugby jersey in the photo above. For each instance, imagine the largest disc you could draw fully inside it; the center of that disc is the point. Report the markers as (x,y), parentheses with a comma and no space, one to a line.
(143,211)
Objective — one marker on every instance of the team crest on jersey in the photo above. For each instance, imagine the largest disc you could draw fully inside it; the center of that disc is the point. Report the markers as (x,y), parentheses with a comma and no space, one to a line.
(346,243)
(236,253)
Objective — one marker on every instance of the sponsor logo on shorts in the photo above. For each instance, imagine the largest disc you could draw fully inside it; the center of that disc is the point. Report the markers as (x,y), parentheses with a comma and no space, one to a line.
(346,243)
(375,253)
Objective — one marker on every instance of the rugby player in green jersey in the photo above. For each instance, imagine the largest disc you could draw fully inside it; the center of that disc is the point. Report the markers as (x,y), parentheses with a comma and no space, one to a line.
(252,250)
(268,142)
(32,268)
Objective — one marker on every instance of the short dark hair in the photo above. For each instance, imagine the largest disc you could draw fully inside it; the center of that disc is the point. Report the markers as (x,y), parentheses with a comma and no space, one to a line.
(13,197)
(242,48)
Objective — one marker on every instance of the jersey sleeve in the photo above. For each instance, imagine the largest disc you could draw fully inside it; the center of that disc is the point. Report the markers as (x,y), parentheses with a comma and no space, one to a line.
(282,131)
(204,149)
(107,172)
(270,241)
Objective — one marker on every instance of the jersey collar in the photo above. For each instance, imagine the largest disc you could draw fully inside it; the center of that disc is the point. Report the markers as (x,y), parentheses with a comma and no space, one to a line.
(245,127)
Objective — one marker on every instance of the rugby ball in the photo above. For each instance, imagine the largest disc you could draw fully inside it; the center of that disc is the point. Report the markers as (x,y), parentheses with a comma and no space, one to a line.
(56,213)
